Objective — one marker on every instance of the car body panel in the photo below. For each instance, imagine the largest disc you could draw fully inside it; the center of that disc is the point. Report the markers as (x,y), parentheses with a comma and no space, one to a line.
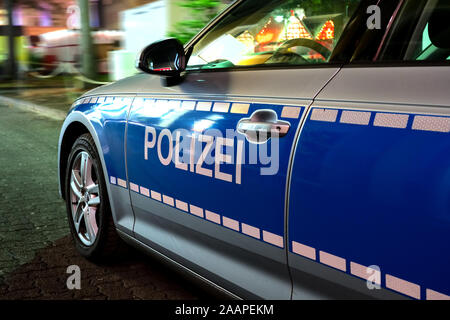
(406,85)
(371,178)
(231,189)
(271,82)
(233,205)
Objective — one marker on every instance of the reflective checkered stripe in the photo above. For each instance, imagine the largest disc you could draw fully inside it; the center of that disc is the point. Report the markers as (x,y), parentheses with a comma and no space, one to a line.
(240,108)
(432,123)
(118,181)
(365,272)
(287,112)
(98,99)
(211,216)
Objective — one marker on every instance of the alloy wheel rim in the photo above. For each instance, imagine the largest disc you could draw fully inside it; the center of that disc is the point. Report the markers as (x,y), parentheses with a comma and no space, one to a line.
(85,198)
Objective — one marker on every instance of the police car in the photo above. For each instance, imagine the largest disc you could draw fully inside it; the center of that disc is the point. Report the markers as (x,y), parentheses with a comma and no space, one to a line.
(291,150)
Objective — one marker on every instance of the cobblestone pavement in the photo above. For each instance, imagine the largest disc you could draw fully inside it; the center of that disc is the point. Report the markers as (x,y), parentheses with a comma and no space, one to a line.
(36,248)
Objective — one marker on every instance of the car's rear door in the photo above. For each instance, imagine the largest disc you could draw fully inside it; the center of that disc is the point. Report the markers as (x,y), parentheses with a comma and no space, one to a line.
(207,186)
(370,191)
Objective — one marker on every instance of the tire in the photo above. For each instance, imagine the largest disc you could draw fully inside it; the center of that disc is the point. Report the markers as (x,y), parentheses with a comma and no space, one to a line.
(87,203)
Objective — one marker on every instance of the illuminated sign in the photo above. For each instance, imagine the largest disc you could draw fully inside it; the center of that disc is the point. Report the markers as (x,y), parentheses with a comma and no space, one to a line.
(73,21)
(327,31)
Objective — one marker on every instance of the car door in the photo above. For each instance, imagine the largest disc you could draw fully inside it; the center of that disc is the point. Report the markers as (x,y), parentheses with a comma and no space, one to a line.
(369,198)
(207,158)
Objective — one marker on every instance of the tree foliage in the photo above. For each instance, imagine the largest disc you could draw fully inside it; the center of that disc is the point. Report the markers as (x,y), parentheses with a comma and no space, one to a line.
(201,12)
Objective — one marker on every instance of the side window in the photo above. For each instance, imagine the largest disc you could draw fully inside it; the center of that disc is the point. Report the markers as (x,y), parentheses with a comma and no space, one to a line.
(295,32)
(429,37)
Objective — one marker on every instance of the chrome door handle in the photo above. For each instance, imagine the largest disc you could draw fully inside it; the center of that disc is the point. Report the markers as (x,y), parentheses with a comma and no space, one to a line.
(263,125)
(279,127)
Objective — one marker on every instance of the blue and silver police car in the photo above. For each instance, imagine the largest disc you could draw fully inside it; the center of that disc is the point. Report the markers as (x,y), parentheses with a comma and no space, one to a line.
(291,150)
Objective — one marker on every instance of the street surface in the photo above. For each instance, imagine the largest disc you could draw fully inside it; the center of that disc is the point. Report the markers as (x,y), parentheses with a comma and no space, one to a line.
(36,247)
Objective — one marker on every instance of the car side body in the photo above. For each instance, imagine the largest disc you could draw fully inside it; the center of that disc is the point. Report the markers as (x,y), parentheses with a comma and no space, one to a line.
(356,204)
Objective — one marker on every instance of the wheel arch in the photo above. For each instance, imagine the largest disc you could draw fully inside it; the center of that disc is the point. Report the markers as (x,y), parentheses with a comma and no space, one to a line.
(75,125)
(73,131)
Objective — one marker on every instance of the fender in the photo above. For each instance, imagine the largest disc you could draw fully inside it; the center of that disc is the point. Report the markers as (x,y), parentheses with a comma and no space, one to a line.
(93,119)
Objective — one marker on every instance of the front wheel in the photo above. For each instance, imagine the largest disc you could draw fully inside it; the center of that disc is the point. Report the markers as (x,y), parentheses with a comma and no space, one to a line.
(88,209)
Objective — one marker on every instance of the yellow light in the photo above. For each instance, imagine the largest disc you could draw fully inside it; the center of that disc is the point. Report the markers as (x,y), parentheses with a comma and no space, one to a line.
(295,30)
(248,40)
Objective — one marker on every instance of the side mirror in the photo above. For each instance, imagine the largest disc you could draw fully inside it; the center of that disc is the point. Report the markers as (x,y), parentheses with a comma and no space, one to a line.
(165,58)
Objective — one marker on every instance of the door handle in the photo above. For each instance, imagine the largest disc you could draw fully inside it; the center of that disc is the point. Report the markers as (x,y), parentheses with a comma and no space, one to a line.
(263,125)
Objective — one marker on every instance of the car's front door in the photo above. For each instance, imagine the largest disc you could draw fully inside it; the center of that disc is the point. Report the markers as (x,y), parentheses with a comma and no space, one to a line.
(208,158)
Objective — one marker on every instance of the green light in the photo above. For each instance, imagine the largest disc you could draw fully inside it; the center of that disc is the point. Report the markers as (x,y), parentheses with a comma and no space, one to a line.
(279,18)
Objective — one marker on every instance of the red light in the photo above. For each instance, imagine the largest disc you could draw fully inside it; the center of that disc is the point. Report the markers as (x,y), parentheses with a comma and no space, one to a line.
(163,69)
(327,31)
(268,33)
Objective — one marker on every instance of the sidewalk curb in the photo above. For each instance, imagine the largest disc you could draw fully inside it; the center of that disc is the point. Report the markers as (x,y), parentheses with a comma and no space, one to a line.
(29,106)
